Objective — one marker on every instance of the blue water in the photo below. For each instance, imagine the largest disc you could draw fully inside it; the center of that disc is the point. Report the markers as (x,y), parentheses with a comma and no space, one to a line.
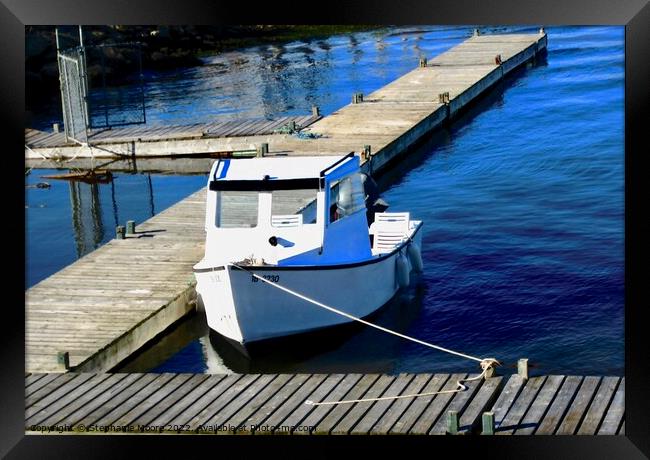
(522,200)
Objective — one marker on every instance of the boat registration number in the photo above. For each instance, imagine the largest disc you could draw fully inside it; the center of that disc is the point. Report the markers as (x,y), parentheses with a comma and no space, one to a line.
(271,278)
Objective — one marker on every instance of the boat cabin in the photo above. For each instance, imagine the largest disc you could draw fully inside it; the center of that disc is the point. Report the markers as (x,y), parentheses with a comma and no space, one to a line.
(286,211)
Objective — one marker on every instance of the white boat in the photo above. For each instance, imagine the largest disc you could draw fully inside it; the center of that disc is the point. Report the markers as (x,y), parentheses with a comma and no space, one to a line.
(298,223)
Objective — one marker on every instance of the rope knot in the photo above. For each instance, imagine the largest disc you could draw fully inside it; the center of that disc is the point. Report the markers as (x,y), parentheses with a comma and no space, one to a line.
(488,365)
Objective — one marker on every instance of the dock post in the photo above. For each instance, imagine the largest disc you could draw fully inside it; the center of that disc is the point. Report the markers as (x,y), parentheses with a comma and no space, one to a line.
(357,98)
(488,423)
(315,111)
(443,98)
(366,152)
(55,127)
(63,358)
(497,59)
(542,31)
(263,149)
(452,422)
(119,232)
(477,32)
(423,62)
(522,368)
(130,227)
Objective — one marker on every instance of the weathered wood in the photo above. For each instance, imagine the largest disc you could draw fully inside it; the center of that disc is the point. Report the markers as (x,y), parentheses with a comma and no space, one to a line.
(214,400)
(236,420)
(344,426)
(153,399)
(196,399)
(436,409)
(579,406)
(176,398)
(615,412)
(295,419)
(596,411)
(519,407)
(399,406)
(540,405)
(559,406)
(51,414)
(506,398)
(271,405)
(221,415)
(150,388)
(365,424)
(276,422)
(50,388)
(358,391)
(418,406)
(459,401)
(484,398)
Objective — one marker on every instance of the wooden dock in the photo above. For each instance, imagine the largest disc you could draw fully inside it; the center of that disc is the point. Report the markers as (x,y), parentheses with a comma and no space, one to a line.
(388,120)
(108,304)
(275,404)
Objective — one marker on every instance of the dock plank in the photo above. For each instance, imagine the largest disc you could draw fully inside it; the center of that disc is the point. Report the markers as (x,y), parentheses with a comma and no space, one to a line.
(395,411)
(470,419)
(335,414)
(196,399)
(559,406)
(359,409)
(507,397)
(237,419)
(295,419)
(596,411)
(459,402)
(365,424)
(540,405)
(215,400)
(579,405)
(418,406)
(521,405)
(436,408)
(615,412)
(271,405)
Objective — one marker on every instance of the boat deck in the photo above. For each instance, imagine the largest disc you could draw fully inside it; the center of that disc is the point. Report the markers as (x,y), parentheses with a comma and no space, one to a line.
(275,404)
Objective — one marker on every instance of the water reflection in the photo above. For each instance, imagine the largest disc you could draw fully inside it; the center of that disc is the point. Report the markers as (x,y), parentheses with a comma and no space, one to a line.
(86,216)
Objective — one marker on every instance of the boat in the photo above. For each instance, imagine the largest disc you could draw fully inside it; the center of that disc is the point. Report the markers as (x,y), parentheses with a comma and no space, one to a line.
(286,233)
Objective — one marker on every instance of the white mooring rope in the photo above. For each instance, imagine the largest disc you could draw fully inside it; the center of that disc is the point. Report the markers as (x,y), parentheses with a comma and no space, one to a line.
(485,363)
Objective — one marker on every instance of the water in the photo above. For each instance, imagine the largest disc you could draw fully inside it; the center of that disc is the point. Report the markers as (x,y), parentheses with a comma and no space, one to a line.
(522,200)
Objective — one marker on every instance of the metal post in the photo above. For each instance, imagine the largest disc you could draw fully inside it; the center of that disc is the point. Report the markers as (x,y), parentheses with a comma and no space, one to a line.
(315,111)
(119,232)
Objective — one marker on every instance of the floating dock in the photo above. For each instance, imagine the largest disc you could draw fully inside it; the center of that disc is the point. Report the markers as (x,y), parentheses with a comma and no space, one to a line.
(275,404)
(388,120)
(101,309)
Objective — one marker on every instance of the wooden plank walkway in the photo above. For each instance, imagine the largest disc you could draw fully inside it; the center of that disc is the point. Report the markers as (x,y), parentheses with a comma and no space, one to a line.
(36,139)
(275,404)
(105,306)
(109,303)
(390,119)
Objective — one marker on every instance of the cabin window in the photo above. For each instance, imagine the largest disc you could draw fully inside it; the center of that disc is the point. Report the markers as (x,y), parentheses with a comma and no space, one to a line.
(236,209)
(293,202)
(346,197)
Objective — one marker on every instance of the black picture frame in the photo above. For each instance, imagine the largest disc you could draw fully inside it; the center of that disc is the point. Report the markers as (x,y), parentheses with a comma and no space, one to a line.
(633,14)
